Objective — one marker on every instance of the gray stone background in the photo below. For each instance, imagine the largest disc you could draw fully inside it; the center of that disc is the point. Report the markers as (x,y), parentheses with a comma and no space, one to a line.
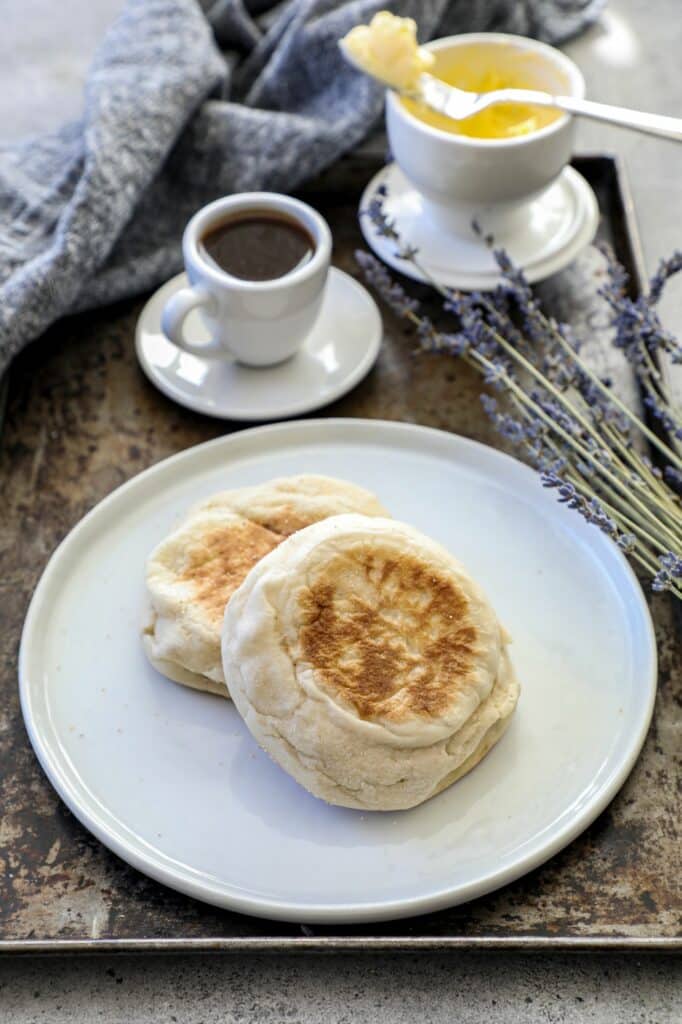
(633,57)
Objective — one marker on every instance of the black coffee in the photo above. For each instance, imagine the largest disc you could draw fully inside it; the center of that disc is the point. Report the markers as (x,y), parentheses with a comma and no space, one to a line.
(258,245)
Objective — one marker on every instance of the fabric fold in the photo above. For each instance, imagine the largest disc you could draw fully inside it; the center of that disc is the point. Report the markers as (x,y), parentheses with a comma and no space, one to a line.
(95,212)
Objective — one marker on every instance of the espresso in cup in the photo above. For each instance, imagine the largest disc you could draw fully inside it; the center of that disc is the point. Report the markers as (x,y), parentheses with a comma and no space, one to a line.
(258,245)
(256,265)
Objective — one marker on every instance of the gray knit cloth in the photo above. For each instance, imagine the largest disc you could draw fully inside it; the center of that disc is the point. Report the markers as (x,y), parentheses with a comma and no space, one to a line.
(183,105)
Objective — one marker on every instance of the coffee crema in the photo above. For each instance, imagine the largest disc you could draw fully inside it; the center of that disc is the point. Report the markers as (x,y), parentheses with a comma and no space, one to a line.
(258,245)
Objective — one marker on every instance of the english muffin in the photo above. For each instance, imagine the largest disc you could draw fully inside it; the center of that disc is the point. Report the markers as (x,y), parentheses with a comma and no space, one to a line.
(191,575)
(366,661)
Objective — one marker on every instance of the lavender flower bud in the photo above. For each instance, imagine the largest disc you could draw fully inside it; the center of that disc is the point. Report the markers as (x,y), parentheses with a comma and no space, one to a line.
(393,294)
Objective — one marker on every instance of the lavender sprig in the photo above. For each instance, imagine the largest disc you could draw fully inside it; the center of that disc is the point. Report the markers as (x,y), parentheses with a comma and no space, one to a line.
(376,274)
(641,336)
(566,419)
(590,509)
(670,572)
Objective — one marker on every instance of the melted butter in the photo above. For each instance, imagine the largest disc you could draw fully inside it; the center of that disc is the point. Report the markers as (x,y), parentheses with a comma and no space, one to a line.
(484,67)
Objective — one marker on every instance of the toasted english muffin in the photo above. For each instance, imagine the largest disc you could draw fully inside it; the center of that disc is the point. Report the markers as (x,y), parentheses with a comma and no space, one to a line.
(367,662)
(191,574)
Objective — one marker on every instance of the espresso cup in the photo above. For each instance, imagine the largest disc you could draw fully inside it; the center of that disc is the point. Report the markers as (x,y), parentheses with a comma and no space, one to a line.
(262,322)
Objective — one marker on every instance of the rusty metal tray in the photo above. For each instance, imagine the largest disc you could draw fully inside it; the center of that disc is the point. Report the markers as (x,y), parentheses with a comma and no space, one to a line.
(81,419)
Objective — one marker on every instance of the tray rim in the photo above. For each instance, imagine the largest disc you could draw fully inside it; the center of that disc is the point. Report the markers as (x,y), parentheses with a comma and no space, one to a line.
(346,944)
(529,943)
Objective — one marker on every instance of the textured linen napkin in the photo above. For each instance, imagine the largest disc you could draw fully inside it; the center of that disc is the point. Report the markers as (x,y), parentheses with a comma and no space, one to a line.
(184,104)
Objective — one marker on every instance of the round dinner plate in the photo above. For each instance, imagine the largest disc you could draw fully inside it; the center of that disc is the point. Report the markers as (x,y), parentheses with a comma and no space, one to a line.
(171,780)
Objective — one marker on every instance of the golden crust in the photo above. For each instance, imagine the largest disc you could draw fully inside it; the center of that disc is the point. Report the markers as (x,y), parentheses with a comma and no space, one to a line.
(219,560)
(194,572)
(387,635)
(368,663)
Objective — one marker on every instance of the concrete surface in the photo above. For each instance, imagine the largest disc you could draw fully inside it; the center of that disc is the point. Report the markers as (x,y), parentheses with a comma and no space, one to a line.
(631,58)
(472,989)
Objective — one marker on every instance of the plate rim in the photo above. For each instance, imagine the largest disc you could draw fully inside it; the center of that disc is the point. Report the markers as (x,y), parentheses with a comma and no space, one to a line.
(534,272)
(285,910)
(242,415)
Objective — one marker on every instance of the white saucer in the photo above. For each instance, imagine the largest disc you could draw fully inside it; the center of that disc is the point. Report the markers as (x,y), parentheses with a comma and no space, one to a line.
(559,223)
(339,351)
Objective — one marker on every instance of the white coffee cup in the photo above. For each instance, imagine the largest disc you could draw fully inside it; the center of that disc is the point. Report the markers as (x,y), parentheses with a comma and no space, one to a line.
(257,322)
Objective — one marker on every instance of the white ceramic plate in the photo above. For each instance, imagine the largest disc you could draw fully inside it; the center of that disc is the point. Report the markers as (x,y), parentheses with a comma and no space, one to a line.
(557,225)
(339,351)
(171,780)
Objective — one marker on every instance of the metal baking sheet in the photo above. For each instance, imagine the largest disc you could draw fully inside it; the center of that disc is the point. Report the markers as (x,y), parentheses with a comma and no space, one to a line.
(81,419)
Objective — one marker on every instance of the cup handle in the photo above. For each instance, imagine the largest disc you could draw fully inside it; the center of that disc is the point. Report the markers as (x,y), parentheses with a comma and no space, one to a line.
(173,319)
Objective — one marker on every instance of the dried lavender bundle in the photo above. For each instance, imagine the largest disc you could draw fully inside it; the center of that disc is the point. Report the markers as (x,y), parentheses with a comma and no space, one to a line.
(560,414)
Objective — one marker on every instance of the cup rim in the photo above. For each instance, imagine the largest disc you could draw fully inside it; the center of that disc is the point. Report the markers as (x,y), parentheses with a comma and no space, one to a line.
(311,220)
(553,55)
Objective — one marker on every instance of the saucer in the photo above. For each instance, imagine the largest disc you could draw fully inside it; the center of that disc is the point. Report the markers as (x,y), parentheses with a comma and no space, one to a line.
(339,351)
(559,223)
